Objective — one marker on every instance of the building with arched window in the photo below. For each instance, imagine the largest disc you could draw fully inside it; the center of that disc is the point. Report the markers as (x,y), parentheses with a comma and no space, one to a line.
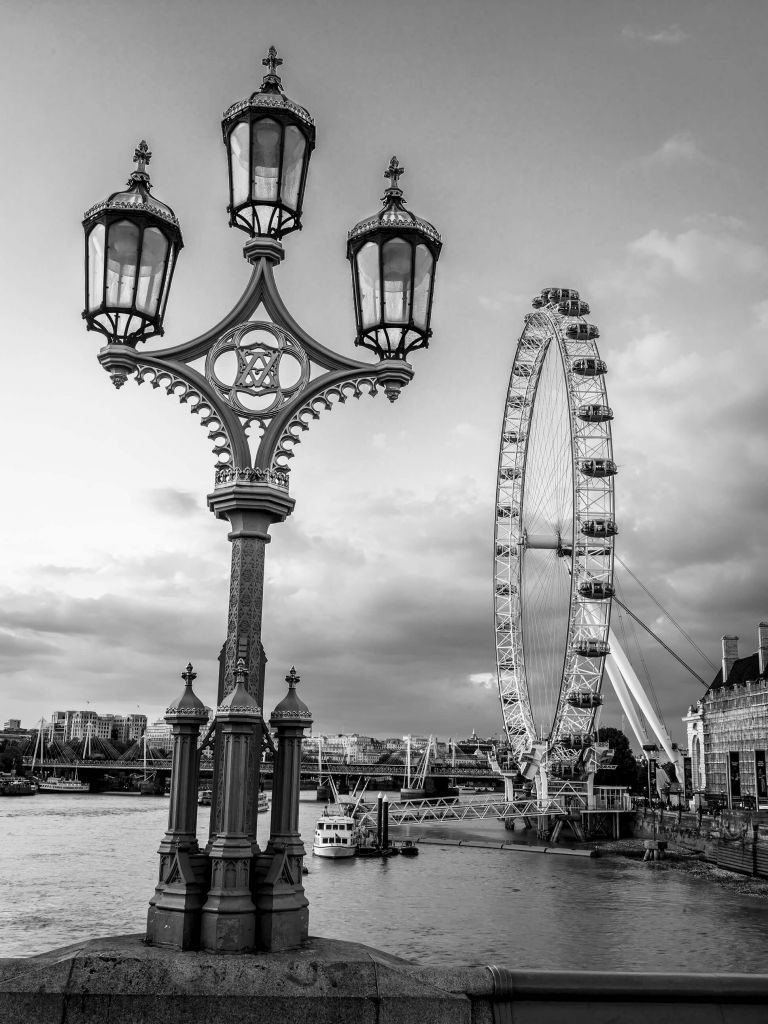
(727,729)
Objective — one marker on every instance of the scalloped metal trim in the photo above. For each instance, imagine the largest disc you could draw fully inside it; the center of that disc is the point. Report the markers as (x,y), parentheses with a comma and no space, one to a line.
(298,716)
(156,211)
(311,410)
(240,709)
(258,100)
(236,475)
(200,406)
(413,222)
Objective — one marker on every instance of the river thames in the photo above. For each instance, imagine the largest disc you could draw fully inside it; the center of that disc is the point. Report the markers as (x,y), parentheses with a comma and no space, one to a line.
(77,867)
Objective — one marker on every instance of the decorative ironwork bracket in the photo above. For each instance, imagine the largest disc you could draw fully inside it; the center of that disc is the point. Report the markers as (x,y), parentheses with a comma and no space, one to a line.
(251,395)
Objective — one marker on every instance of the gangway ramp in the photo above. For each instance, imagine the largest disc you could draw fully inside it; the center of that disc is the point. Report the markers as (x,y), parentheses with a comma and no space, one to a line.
(435,811)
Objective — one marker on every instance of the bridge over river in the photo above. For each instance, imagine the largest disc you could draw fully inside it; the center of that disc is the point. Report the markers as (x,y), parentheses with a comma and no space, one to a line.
(354,770)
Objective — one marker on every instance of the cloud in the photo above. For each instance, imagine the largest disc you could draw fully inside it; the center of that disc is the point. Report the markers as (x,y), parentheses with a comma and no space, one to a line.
(694,254)
(760,311)
(172,502)
(679,148)
(485,680)
(713,254)
(671,36)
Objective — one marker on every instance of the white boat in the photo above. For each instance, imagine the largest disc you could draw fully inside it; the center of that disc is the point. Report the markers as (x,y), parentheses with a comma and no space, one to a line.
(56,785)
(263,805)
(335,836)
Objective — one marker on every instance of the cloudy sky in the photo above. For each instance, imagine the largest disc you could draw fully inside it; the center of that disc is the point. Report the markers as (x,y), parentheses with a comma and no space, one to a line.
(612,146)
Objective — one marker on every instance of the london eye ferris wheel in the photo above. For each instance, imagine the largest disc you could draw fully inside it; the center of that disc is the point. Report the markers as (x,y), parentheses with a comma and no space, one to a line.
(554,535)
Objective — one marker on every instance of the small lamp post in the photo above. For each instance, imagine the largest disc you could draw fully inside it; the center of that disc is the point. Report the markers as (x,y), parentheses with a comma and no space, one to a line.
(283,909)
(256,379)
(174,910)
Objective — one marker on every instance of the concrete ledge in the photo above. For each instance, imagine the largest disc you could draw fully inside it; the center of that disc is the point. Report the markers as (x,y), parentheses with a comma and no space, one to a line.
(122,981)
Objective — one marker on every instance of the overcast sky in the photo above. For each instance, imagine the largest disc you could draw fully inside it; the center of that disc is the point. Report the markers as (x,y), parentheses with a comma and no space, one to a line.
(614,147)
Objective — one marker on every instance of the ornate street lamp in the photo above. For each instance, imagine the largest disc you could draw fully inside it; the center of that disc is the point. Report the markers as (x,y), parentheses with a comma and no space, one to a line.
(393,257)
(131,244)
(269,140)
(256,380)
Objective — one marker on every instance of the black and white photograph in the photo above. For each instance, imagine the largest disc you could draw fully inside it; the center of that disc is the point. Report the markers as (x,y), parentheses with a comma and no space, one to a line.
(383,587)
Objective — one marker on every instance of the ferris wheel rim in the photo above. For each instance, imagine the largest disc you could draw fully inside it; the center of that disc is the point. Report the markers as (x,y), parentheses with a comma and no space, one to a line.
(591,456)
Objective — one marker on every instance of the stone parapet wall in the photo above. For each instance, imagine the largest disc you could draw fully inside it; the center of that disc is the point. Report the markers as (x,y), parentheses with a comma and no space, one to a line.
(121,981)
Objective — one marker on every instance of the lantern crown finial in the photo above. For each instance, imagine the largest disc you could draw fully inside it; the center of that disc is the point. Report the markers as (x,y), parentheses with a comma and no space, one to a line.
(393,173)
(272,62)
(141,157)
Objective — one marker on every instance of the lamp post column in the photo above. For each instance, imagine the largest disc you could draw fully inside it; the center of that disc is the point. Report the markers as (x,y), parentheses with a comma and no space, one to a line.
(283,909)
(251,508)
(174,910)
(228,923)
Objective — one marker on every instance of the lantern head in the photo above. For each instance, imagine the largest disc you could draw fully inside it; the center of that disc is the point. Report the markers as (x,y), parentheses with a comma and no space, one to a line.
(131,244)
(393,256)
(269,139)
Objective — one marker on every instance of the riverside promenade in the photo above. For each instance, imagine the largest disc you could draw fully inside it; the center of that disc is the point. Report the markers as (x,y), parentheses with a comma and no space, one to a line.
(124,981)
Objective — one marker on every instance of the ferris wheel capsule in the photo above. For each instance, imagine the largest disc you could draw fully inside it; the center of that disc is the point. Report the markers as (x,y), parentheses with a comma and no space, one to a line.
(598,467)
(573,307)
(592,413)
(588,366)
(596,590)
(581,332)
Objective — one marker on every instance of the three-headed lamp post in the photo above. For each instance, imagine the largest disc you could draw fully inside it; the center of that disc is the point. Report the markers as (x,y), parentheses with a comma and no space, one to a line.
(256,379)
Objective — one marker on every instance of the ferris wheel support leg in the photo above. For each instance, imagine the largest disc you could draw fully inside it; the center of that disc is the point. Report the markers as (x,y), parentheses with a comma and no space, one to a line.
(635,688)
(621,691)
(542,786)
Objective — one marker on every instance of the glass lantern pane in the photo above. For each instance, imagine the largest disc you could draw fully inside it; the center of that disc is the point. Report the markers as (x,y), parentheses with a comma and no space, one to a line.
(396,256)
(238,147)
(154,252)
(422,279)
(167,289)
(369,283)
(96,267)
(293,161)
(266,159)
(122,254)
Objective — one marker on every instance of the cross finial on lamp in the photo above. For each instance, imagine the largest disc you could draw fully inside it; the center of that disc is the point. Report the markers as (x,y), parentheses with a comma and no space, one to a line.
(142,156)
(188,675)
(292,678)
(272,62)
(393,172)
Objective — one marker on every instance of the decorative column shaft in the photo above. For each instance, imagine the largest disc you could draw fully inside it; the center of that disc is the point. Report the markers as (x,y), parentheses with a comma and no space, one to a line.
(251,508)
(283,909)
(229,917)
(174,910)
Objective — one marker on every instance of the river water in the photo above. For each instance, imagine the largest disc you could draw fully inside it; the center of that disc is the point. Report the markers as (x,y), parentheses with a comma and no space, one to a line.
(73,867)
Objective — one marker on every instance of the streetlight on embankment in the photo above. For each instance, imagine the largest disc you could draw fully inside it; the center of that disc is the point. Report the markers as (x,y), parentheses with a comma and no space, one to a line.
(256,380)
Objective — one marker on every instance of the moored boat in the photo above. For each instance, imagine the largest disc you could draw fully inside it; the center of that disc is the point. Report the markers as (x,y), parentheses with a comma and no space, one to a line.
(335,836)
(10,785)
(55,784)
(263,805)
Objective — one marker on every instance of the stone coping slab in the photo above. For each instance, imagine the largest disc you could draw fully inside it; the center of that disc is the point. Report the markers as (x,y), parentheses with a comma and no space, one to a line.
(120,980)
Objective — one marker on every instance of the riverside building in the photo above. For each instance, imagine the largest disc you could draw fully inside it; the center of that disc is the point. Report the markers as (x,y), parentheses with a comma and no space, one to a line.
(728,728)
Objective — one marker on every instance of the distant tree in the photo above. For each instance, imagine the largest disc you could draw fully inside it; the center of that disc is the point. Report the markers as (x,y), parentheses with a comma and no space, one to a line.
(626,772)
(10,758)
